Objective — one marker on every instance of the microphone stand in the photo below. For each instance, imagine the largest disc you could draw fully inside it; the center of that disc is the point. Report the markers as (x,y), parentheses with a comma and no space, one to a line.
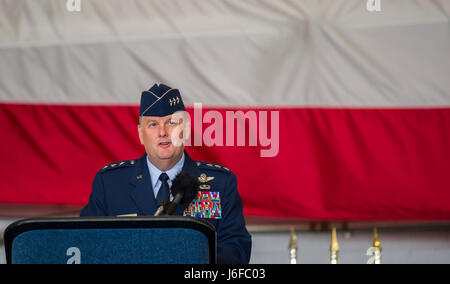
(161,208)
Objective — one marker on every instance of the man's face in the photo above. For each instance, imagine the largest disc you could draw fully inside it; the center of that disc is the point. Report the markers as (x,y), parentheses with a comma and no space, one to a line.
(155,133)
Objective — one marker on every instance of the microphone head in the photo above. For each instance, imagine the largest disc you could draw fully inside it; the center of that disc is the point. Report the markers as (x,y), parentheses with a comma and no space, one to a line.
(187,185)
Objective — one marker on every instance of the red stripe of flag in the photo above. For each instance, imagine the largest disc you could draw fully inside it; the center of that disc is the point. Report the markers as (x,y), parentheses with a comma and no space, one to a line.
(332,163)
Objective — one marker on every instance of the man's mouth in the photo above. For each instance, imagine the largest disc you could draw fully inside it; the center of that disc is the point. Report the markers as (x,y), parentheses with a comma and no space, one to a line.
(164,144)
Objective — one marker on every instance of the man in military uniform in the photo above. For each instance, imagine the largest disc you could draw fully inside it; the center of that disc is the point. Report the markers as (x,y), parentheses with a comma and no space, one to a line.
(137,187)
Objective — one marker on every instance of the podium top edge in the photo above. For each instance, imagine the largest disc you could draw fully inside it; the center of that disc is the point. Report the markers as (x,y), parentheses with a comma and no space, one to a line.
(107,222)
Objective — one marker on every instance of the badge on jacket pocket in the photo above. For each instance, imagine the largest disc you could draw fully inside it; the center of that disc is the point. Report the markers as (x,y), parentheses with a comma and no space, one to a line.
(206,205)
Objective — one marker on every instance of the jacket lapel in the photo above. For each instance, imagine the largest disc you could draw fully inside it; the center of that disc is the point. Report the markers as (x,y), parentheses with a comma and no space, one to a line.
(189,166)
(141,189)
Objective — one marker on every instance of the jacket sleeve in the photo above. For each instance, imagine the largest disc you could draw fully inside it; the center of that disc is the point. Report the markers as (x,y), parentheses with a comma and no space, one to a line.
(233,240)
(96,205)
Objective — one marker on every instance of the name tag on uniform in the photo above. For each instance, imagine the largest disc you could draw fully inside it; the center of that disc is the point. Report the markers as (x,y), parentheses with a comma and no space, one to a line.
(206,205)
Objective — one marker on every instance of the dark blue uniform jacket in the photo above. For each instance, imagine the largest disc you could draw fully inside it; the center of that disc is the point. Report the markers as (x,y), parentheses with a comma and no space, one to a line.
(125,188)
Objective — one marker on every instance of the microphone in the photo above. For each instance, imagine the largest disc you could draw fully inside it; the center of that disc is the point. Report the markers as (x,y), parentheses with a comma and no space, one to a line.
(184,188)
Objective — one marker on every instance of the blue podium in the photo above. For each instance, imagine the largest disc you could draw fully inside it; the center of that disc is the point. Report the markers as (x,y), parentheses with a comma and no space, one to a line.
(111,240)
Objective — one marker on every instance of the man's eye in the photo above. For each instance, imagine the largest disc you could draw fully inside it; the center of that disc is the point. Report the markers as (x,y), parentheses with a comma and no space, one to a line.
(153,124)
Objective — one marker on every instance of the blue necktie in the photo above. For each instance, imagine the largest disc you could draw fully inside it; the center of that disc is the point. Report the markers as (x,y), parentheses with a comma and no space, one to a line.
(163,193)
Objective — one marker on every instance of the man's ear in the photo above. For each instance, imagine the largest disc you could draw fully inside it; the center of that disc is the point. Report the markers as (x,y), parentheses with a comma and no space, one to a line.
(141,137)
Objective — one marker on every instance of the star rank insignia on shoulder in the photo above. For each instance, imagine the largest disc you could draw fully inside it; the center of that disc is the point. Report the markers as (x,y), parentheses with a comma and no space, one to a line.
(211,166)
(117,165)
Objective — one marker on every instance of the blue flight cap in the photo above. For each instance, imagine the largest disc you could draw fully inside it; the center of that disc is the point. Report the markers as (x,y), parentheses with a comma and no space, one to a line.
(161,101)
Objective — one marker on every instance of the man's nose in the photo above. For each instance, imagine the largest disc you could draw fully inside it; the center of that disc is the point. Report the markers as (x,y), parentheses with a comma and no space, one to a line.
(162,130)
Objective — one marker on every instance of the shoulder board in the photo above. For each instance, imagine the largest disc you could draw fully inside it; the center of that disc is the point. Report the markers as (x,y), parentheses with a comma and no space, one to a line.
(117,165)
(211,166)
